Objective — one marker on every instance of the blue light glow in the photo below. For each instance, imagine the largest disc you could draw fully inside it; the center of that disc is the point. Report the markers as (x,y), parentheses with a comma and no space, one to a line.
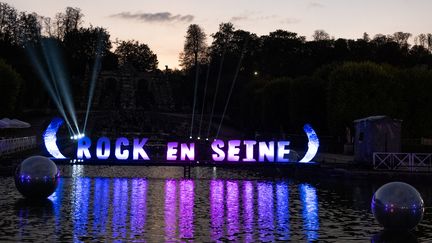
(50,138)
(313,144)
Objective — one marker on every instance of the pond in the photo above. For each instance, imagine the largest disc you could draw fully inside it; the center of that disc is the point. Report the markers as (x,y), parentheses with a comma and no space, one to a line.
(154,204)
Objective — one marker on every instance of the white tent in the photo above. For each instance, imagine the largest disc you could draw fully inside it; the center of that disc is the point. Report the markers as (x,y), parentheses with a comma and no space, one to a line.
(14,123)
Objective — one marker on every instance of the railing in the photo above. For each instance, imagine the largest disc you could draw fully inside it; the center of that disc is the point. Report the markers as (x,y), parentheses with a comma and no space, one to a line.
(13,145)
(402,161)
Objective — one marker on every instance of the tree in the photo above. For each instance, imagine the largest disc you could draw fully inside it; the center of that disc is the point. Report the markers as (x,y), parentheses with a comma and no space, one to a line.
(29,28)
(137,55)
(195,47)
(10,83)
(8,23)
(401,38)
(320,35)
(67,22)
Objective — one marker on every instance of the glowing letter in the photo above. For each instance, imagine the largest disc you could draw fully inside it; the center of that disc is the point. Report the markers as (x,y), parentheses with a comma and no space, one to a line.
(186,151)
(282,151)
(83,148)
(249,150)
(233,150)
(138,149)
(103,153)
(172,151)
(216,147)
(119,154)
(266,151)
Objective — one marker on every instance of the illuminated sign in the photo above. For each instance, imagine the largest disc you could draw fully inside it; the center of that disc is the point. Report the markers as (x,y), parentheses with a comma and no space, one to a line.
(218,150)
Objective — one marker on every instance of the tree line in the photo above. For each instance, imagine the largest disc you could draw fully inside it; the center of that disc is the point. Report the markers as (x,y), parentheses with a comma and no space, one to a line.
(283,79)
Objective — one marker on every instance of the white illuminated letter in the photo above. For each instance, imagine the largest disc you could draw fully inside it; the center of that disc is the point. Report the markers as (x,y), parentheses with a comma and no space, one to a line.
(103,148)
(172,151)
(216,146)
(83,148)
(249,150)
(233,150)
(186,151)
(138,149)
(266,151)
(282,151)
(119,154)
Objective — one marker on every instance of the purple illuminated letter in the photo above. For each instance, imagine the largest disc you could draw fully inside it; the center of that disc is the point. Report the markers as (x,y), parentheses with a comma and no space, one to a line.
(266,151)
(186,151)
(103,148)
(216,146)
(233,150)
(172,151)
(282,151)
(249,150)
(83,148)
(138,149)
(119,154)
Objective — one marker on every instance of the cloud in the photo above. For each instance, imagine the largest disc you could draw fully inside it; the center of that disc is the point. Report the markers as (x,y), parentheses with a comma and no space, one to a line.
(161,17)
(290,21)
(251,16)
(316,5)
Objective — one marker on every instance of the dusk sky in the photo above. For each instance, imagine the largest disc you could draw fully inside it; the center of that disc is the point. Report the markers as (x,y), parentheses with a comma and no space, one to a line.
(162,24)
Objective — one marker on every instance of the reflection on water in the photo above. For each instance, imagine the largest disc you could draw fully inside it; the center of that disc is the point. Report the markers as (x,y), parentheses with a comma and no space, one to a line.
(249,211)
(173,210)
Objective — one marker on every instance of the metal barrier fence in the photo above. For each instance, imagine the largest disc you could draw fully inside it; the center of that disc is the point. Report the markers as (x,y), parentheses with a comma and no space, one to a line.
(13,145)
(402,161)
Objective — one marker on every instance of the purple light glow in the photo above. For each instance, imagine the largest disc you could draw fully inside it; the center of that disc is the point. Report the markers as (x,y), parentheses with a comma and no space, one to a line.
(217,209)
(138,211)
(120,208)
(283,213)
(172,151)
(232,210)
(170,210)
(101,205)
(186,207)
(248,210)
(265,212)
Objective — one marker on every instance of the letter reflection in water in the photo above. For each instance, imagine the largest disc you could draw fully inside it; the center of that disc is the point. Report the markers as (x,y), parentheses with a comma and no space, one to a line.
(309,201)
(265,211)
(120,210)
(283,214)
(138,207)
(232,210)
(170,210)
(186,206)
(80,205)
(217,209)
(248,210)
(101,205)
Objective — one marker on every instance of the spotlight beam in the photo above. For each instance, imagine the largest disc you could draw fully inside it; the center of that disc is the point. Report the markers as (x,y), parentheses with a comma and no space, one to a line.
(194,98)
(53,54)
(95,71)
(204,97)
(46,81)
(232,88)
(216,92)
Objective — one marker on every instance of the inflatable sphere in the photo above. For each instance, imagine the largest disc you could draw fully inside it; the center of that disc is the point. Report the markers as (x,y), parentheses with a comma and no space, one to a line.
(36,177)
(397,206)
